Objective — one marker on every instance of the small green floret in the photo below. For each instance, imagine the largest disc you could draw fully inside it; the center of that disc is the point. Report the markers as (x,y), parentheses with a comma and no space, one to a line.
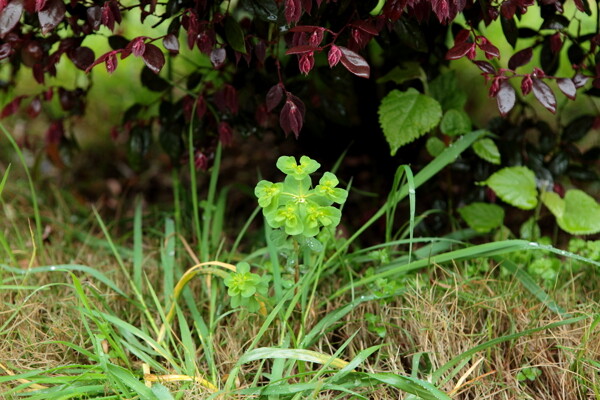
(267,193)
(243,287)
(288,165)
(327,188)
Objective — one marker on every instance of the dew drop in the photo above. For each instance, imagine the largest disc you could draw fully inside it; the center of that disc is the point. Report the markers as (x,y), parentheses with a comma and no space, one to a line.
(534,244)
(172,253)
(53,268)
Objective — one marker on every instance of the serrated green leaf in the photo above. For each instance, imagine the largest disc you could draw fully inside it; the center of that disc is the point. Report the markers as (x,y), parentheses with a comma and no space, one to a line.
(487,150)
(406,116)
(482,217)
(455,122)
(235,35)
(434,146)
(554,202)
(578,213)
(515,186)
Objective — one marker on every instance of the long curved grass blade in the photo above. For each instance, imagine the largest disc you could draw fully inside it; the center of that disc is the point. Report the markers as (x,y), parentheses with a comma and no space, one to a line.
(4,179)
(450,364)
(408,384)
(262,353)
(529,284)
(66,268)
(36,209)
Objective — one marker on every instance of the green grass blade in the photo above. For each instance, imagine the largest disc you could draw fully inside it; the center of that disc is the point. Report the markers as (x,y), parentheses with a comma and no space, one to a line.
(208,209)
(420,388)
(4,179)
(445,158)
(98,275)
(167,258)
(527,281)
(138,254)
(450,364)
(36,209)
(410,181)
(398,268)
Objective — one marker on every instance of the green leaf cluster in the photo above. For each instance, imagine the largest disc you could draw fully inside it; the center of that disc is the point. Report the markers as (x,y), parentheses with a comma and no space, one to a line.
(244,287)
(297,207)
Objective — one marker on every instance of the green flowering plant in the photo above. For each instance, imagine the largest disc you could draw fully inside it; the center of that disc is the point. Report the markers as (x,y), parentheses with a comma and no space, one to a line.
(245,287)
(294,205)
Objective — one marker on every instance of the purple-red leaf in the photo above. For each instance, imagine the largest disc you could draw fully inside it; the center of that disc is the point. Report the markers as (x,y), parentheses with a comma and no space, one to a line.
(171,43)
(34,108)
(505,98)
(154,58)
(485,66)
(580,80)
(111,62)
(520,58)
(302,49)
(227,99)
(39,5)
(11,107)
(293,11)
(274,96)
(291,118)
(138,46)
(83,57)
(355,63)
(10,16)
(365,27)
(217,57)
(305,28)
(334,56)
(94,17)
(567,86)
(459,50)
(225,134)
(489,49)
(5,50)
(462,36)
(544,94)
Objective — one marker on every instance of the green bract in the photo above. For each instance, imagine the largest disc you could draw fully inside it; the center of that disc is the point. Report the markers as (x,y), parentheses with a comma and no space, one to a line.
(294,205)
(287,165)
(243,286)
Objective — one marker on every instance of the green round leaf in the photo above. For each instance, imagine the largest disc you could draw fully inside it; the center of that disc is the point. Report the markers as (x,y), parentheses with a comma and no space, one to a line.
(578,213)
(434,146)
(515,186)
(482,217)
(455,123)
(487,150)
(406,116)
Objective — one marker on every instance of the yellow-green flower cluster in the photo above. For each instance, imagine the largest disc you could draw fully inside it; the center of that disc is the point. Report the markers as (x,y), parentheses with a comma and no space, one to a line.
(294,204)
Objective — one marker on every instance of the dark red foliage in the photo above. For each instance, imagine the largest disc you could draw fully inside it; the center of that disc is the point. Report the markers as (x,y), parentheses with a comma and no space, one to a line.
(293,11)
(334,56)
(520,58)
(274,96)
(225,134)
(544,94)
(11,107)
(153,58)
(354,63)
(171,43)
(254,45)
(505,97)
(226,99)
(291,118)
